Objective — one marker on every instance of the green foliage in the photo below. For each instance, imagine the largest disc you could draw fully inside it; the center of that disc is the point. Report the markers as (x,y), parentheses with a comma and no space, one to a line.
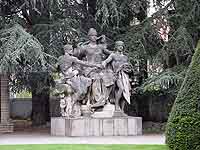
(180,45)
(183,126)
(24,94)
(142,41)
(21,54)
(166,80)
(20,50)
(108,12)
(57,22)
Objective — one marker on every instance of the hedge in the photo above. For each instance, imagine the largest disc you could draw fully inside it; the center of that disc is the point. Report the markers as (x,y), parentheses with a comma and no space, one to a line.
(183,127)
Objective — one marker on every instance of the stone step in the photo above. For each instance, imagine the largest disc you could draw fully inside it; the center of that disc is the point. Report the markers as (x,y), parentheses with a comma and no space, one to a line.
(6,128)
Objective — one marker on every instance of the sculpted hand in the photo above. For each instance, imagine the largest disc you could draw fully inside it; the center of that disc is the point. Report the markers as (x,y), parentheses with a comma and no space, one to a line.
(103,38)
(104,64)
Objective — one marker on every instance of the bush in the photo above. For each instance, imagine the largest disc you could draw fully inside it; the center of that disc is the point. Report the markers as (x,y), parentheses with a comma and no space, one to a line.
(183,127)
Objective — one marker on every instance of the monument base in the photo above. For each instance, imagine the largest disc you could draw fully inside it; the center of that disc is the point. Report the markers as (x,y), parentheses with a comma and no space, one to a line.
(115,126)
(6,128)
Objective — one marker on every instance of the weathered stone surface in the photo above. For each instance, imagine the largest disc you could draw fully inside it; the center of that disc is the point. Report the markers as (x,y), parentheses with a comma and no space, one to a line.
(5,122)
(135,126)
(4,96)
(107,112)
(77,127)
(58,127)
(95,127)
(6,128)
(108,127)
(121,126)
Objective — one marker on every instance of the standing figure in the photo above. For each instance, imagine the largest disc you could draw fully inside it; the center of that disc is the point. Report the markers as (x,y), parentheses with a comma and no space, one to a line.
(94,54)
(120,67)
(75,85)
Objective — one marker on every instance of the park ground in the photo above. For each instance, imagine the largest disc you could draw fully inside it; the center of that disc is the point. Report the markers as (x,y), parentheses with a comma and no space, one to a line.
(42,140)
(83,147)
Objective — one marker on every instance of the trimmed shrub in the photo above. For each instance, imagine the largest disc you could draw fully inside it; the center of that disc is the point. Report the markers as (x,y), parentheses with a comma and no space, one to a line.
(183,127)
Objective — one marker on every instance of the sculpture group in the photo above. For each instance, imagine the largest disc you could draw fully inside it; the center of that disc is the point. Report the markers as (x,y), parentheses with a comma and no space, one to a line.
(93,77)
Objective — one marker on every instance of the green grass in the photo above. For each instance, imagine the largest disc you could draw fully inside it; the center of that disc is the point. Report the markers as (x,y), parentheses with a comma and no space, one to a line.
(83,147)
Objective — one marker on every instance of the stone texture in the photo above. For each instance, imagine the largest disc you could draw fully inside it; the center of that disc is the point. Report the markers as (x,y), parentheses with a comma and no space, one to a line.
(107,112)
(6,128)
(121,127)
(135,126)
(108,127)
(5,124)
(58,127)
(4,93)
(124,126)
(139,126)
(94,127)
(78,127)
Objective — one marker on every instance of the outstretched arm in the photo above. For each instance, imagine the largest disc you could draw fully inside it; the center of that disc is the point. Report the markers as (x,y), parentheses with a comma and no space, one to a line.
(106,51)
(84,63)
(80,50)
(108,60)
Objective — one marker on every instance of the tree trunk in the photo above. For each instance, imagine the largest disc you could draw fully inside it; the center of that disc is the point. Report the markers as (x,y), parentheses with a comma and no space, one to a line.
(40,108)
(143,74)
(40,98)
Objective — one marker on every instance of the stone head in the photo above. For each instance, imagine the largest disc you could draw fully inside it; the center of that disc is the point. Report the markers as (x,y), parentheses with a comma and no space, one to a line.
(119,46)
(68,49)
(92,34)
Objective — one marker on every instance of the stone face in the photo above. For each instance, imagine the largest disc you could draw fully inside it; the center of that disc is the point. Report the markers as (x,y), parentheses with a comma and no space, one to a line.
(6,128)
(108,127)
(121,127)
(117,126)
(78,127)
(95,127)
(58,127)
(139,126)
(135,126)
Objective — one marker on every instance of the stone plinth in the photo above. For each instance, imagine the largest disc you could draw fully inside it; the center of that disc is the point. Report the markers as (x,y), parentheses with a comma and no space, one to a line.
(6,128)
(118,126)
(5,122)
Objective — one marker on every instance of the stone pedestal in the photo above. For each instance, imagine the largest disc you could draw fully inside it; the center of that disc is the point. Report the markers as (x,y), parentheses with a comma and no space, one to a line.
(5,124)
(116,126)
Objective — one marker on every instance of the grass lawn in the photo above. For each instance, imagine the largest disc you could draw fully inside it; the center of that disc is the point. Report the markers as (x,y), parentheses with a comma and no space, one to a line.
(83,147)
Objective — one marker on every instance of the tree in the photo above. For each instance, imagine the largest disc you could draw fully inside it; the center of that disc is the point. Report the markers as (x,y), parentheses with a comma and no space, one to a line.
(21,54)
(35,17)
(57,22)
(54,25)
(182,131)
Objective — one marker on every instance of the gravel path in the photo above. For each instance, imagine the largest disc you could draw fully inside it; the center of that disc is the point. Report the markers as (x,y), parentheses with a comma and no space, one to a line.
(46,138)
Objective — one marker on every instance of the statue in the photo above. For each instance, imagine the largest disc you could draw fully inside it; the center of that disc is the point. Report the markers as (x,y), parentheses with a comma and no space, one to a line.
(93,75)
(95,53)
(72,84)
(121,67)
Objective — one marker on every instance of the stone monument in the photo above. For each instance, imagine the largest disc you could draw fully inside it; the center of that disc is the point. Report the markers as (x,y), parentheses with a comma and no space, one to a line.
(93,81)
